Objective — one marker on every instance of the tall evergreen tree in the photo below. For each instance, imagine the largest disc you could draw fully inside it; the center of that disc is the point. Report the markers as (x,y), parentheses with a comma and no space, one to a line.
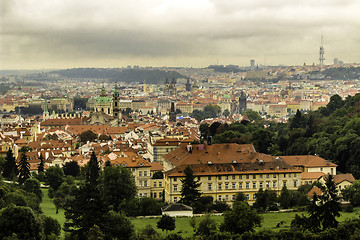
(24,168)
(10,167)
(92,174)
(41,165)
(330,206)
(189,191)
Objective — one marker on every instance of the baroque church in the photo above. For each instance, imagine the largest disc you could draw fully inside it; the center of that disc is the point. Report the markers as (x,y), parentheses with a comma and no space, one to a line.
(170,88)
(106,109)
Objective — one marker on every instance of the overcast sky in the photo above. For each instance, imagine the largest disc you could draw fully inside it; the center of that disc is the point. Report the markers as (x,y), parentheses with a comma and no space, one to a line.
(43,34)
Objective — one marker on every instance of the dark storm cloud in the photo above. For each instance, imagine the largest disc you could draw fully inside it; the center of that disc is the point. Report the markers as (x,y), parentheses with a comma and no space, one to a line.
(63,33)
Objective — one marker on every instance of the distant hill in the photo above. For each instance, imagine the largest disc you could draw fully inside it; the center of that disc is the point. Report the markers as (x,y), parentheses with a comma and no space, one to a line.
(341,73)
(121,75)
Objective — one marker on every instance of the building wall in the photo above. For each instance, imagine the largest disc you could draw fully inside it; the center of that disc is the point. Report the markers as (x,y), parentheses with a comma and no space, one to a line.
(225,187)
(326,170)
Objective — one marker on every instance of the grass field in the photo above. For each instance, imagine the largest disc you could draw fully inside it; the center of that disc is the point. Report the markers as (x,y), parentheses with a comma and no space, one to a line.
(270,220)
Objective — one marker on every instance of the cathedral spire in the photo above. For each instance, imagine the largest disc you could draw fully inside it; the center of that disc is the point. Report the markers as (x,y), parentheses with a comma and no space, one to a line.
(103,92)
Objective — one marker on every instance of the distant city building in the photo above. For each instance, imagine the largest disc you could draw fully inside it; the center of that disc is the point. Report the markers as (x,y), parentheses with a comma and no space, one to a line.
(242,102)
(170,88)
(188,85)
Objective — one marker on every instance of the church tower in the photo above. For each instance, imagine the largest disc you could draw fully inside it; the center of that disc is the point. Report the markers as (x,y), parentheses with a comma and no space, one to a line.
(46,111)
(242,102)
(173,87)
(188,85)
(167,87)
(116,103)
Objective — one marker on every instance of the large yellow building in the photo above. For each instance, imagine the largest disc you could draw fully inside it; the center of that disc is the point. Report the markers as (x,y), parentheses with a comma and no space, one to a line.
(226,169)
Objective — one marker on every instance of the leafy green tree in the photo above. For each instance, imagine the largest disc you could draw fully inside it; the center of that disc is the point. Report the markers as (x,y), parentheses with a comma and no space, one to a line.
(32,185)
(41,164)
(284,198)
(226,112)
(24,168)
(240,219)
(206,227)
(352,193)
(117,226)
(54,176)
(262,140)
(71,168)
(117,185)
(166,223)
(148,233)
(189,190)
(260,202)
(21,221)
(158,175)
(51,226)
(87,136)
(10,168)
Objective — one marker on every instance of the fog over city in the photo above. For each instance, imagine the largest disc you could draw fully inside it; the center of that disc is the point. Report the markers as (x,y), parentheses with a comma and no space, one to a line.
(42,34)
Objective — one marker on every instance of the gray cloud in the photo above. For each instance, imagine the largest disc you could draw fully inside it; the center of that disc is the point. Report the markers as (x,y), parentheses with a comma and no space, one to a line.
(67,33)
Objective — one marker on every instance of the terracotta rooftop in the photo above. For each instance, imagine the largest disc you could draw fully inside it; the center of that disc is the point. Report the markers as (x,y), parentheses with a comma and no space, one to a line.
(308,161)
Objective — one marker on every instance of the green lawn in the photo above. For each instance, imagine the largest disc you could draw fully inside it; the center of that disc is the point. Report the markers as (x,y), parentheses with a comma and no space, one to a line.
(270,220)
(49,209)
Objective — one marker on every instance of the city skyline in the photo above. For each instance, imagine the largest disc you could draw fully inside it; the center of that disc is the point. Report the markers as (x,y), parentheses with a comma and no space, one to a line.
(65,34)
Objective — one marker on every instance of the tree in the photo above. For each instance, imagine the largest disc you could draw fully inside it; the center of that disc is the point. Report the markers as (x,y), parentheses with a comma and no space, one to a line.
(71,168)
(284,198)
(189,190)
(10,169)
(329,205)
(50,226)
(19,220)
(226,112)
(41,164)
(352,193)
(32,185)
(87,136)
(260,202)
(166,223)
(117,185)
(240,219)
(117,226)
(24,168)
(158,175)
(93,170)
(54,176)
(206,227)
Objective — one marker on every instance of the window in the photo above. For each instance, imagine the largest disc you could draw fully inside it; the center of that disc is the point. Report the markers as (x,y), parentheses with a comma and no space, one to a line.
(154,184)
(274,184)
(160,194)
(140,173)
(274,176)
(226,186)
(240,176)
(145,173)
(267,175)
(233,176)
(145,183)
(140,195)
(175,188)
(254,185)
(295,183)
(240,185)
(209,187)
(284,183)
(261,176)
(294,174)
(247,185)
(219,186)
(254,196)
(284,175)
(175,179)
(321,169)
(175,199)
(267,184)
(260,185)
(140,183)
(160,184)
(226,197)
(254,176)
(247,176)
(289,174)
(233,185)
(145,194)
(233,197)
(219,197)
(209,178)
(154,194)
(247,196)
(219,177)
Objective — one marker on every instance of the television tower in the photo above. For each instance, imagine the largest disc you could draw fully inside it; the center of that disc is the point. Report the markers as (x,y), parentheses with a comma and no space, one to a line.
(322,51)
